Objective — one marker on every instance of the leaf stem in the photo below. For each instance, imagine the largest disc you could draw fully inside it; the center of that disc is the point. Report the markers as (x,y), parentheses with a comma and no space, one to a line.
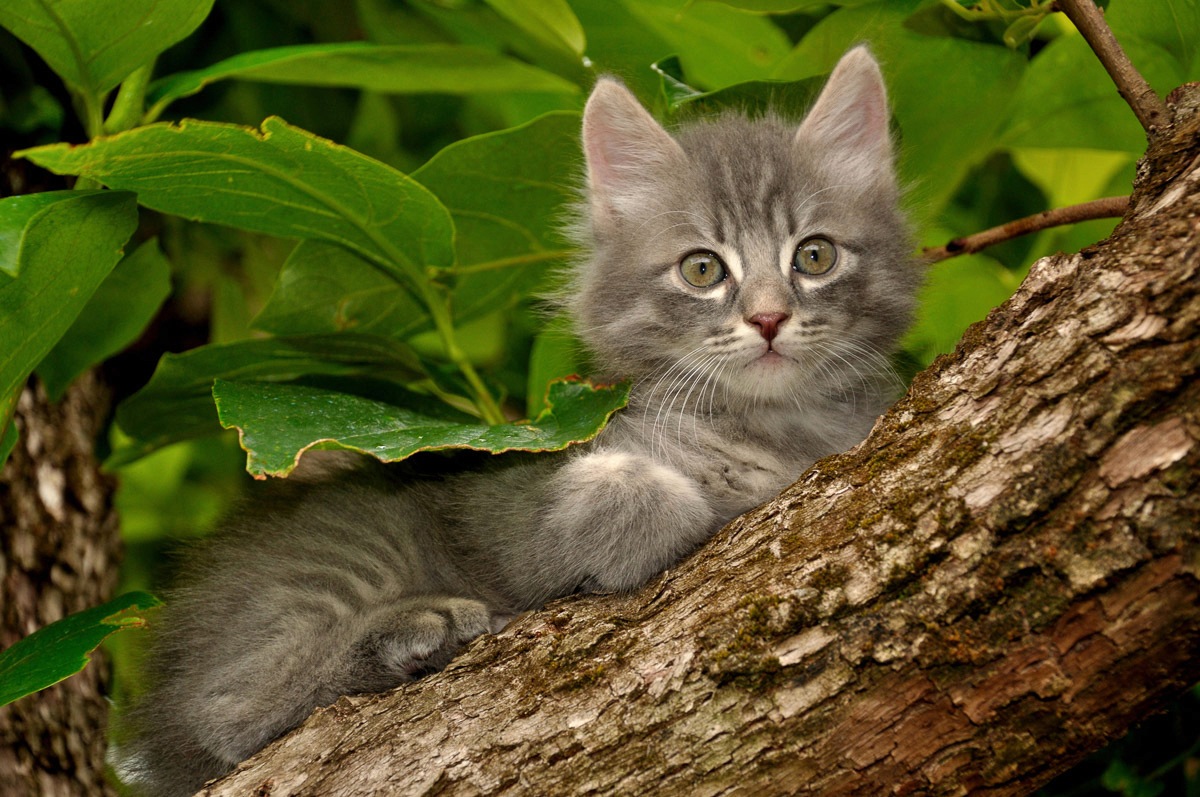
(130,103)
(1149,108)
(1109,207)
(91,112)
(989,9)
(489,410)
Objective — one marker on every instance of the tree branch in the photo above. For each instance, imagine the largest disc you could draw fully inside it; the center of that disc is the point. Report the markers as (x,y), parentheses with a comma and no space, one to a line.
(1151,111)
(1109,207)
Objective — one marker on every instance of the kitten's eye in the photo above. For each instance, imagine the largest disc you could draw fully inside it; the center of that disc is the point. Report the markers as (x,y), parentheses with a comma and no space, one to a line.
(815,256)
(702,269)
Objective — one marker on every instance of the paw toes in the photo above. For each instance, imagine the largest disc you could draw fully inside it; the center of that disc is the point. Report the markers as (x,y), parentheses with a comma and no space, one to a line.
(423,638)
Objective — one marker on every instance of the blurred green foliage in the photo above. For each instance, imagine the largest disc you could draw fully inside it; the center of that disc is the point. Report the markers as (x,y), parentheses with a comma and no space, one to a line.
(387,241)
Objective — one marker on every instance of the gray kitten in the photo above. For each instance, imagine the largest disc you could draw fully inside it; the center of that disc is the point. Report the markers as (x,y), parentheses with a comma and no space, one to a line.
(750,276)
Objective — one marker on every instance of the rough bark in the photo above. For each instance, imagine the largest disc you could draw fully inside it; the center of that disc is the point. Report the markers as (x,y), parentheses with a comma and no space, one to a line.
(999,580)
(58,555)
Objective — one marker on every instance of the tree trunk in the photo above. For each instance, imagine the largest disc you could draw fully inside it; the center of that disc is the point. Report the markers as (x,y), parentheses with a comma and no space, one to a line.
(1002,578)
(58,554)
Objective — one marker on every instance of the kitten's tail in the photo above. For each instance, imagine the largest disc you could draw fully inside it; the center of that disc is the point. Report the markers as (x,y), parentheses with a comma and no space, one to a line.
(161,764)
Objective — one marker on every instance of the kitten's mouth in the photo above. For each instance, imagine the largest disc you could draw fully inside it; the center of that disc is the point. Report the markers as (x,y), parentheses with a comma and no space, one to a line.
(771,355)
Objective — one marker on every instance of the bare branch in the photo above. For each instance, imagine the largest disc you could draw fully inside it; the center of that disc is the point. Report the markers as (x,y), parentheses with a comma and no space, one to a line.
(1109,207)
(1151,111)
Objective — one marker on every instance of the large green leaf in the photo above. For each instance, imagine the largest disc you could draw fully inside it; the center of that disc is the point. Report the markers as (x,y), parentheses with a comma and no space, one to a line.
(114,317)
(957,293)
(791,99)
(1067,99)
(948,95)
(177,402)
(63,648)
(507,192)
(1173,25)
(66,244)
(718,45)
(283,181)
(94,44)
(401,69)
(551,22)
(279,422)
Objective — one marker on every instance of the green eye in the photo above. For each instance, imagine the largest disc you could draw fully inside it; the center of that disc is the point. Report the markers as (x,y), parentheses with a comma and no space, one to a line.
(702,269)
(815,256)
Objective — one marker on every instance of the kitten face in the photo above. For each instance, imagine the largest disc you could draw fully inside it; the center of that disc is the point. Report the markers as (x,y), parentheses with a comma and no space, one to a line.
(749,260)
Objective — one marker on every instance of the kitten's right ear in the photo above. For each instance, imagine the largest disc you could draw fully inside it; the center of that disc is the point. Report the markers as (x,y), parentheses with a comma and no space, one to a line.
(623,144)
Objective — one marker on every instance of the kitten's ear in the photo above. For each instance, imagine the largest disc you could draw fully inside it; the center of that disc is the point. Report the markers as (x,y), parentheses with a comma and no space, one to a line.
(850,119)
(623,145)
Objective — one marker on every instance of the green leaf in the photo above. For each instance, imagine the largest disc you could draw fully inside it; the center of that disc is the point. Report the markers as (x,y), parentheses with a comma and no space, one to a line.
(551,22)
(7,429)
(114,317)
(717,45)
(957,293)
(397,69)
(177,402)
(931,80)
(93,45)
(791,99)
(1173,25)
(324,288)
(66,244)
(1067,99)
(506,192)
(674,89)
(556,353)
(16,213)
(1072,176)
(283,181)
(63,648)
(279,422)
(8,440)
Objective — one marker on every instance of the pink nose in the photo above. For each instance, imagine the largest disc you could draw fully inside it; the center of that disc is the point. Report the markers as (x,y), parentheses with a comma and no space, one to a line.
(767,323)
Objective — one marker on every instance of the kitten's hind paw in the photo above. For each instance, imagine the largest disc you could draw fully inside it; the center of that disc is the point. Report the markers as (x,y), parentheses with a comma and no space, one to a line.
(417,637)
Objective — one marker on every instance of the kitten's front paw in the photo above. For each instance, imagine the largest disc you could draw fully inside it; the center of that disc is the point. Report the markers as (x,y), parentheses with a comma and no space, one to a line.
(421,636)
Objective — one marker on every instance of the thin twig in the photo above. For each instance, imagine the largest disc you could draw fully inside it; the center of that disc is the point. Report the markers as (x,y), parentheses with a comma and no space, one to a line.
(1109,207)
(1151,111)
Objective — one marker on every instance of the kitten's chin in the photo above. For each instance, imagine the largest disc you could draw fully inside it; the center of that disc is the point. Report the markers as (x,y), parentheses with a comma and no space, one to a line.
(768,376)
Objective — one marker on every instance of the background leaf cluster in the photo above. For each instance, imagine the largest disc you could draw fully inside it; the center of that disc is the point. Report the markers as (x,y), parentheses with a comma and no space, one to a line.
(326,221)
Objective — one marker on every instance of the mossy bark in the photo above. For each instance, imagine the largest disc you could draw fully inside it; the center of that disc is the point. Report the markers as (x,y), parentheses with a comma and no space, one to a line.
(58,555)
(999,580)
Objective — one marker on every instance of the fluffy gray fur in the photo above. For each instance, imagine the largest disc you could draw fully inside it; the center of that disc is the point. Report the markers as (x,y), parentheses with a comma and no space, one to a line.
(372,576)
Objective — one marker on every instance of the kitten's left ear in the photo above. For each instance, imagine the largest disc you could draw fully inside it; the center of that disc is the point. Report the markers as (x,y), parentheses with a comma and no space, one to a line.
(850,119)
